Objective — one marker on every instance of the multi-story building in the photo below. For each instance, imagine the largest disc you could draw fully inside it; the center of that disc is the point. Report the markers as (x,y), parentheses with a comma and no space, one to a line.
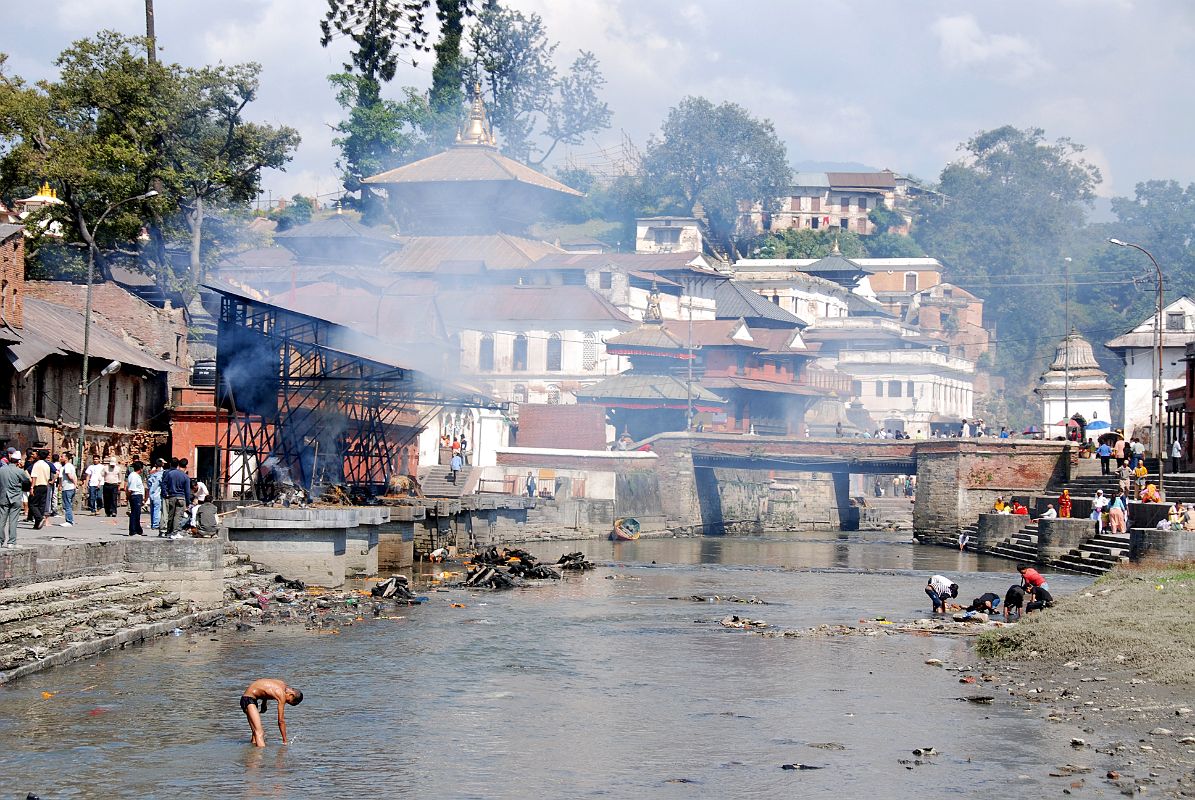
(1138,350)
(667,235)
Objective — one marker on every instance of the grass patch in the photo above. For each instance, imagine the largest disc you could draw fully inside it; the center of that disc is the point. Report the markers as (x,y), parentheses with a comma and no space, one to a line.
(1137,618)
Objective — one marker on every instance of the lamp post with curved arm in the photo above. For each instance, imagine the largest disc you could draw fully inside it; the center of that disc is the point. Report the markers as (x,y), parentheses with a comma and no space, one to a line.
(1159,402)
(84,383)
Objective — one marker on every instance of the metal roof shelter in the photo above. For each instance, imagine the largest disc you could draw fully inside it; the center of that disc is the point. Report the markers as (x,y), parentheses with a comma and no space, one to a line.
(311,404)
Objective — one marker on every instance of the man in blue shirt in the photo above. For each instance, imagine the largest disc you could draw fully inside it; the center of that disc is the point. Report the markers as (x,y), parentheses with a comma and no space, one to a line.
(176,496)
(1105,454)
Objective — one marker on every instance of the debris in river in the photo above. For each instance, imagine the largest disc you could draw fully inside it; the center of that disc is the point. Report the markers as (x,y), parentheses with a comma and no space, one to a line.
(394,586)
(289,583)
(574,562)
(735,621)
(730,598)
(799,766)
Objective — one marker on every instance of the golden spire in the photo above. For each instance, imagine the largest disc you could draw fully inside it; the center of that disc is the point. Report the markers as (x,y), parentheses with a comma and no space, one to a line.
(835,251)
(477,130)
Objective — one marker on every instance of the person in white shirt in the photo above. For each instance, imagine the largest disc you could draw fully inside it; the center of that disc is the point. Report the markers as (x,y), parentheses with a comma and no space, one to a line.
(200,493)
(95,485)
(69,482)
(941,590)
(135,489)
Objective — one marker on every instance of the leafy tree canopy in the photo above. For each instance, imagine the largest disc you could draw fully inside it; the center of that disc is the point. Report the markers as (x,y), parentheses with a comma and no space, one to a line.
(1006,215)
(708,160)
(810,243)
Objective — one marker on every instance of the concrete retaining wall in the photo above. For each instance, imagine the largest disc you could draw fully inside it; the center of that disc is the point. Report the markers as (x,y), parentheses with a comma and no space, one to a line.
(1057,537)
(995,529)
(1151,544)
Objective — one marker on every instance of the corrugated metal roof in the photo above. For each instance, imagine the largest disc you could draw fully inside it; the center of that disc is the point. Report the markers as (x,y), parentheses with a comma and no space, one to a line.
(8,229)
(813,179)
(260,257)
(732,300)
(754,385)
(468,163)
(712,333)
(338,227)
(835,264)
(626,262)
(48,329)
(498,251)
(497,306)
(871,180)
(1148,339)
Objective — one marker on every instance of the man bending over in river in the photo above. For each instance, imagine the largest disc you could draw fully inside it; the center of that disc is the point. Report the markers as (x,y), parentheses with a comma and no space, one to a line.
(941,590)
(255,698)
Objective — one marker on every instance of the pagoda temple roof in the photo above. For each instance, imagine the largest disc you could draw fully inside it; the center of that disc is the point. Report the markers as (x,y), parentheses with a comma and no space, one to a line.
(469,163)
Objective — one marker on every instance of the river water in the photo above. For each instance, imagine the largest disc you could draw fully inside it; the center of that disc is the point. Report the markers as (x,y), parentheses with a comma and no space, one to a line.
(588,687)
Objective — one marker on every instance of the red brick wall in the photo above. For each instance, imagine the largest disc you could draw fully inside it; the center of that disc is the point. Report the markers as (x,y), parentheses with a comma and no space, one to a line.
(158,331)
(572,427)
(12,279)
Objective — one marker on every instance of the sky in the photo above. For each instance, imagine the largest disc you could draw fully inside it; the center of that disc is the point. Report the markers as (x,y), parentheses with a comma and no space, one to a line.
(874,82)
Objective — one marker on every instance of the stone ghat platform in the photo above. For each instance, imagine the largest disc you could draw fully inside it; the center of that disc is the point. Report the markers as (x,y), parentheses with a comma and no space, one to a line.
(192,568)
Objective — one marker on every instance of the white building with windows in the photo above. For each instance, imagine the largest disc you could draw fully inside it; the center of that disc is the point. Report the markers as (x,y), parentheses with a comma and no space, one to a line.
(1138,350)
(667,235)
(1074,384)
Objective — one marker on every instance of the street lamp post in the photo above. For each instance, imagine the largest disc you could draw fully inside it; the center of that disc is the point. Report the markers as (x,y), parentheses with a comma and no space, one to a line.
(1159,402)
(85,384)
(1066,344)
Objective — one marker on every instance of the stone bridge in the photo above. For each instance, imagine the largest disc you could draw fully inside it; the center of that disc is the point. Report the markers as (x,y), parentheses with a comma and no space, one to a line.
(725,482)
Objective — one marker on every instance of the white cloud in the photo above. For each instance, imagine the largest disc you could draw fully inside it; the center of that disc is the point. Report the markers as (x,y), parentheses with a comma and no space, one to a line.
(963,44)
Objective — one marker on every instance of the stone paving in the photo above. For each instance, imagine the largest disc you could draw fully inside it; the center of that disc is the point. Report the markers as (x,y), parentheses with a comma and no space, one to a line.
(87,528)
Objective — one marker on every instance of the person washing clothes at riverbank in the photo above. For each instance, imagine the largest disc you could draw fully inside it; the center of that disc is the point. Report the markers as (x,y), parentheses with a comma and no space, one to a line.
(986,603)
(941,591)
(1014,599)
(1039,597)
(255,700)
(1031,578)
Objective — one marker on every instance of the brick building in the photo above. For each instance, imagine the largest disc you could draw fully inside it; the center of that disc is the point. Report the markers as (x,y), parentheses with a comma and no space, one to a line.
(41,367)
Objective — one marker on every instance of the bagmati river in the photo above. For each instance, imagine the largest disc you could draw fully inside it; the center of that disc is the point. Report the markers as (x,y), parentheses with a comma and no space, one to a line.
(586,687)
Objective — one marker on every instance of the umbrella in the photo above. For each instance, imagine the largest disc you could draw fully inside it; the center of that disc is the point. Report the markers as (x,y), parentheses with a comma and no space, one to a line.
(1032,429)
(1068,422)
(1097,425)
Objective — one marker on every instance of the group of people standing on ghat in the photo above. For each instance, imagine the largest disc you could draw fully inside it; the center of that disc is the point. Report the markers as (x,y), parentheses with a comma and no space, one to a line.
(1031,594)
(37,487)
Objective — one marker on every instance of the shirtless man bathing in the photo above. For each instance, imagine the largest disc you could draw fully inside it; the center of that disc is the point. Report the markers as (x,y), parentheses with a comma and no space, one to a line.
(255,698)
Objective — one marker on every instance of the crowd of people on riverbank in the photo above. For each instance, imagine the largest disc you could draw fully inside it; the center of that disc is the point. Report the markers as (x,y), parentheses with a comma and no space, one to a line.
(36,487)
(1031,594)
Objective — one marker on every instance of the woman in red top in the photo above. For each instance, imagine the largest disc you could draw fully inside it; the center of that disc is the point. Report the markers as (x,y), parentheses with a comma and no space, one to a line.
(1032,578)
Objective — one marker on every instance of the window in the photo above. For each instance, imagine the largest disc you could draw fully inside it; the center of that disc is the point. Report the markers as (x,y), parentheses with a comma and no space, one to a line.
(947,292)
(862,203)
(844,223)
(667,235)
(856,388)
(605,280)
(909,390)
(6,375)
(485,354)
(910,281)
(741,363)
(815,222)
(844,203)
(1176,321)
(519,360)
(776,298)
(879,388)
(817,205)
(553,395)
(589,356)
(554,353)
(135,406)
(520,393)
(894,388)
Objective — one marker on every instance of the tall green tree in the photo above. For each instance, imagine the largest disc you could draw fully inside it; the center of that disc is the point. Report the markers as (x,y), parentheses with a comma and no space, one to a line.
(1004,218)
(90,134)
(708,160)
(214,157)
(810,243)
(533,107)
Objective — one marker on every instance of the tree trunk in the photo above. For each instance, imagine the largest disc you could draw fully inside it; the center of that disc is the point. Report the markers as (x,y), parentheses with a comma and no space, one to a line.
(195,223)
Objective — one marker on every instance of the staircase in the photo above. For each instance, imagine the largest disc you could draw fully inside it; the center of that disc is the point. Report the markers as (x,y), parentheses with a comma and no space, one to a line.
(886,513)
(39,619)
(1022,546)
(435,482)
(1097,555)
